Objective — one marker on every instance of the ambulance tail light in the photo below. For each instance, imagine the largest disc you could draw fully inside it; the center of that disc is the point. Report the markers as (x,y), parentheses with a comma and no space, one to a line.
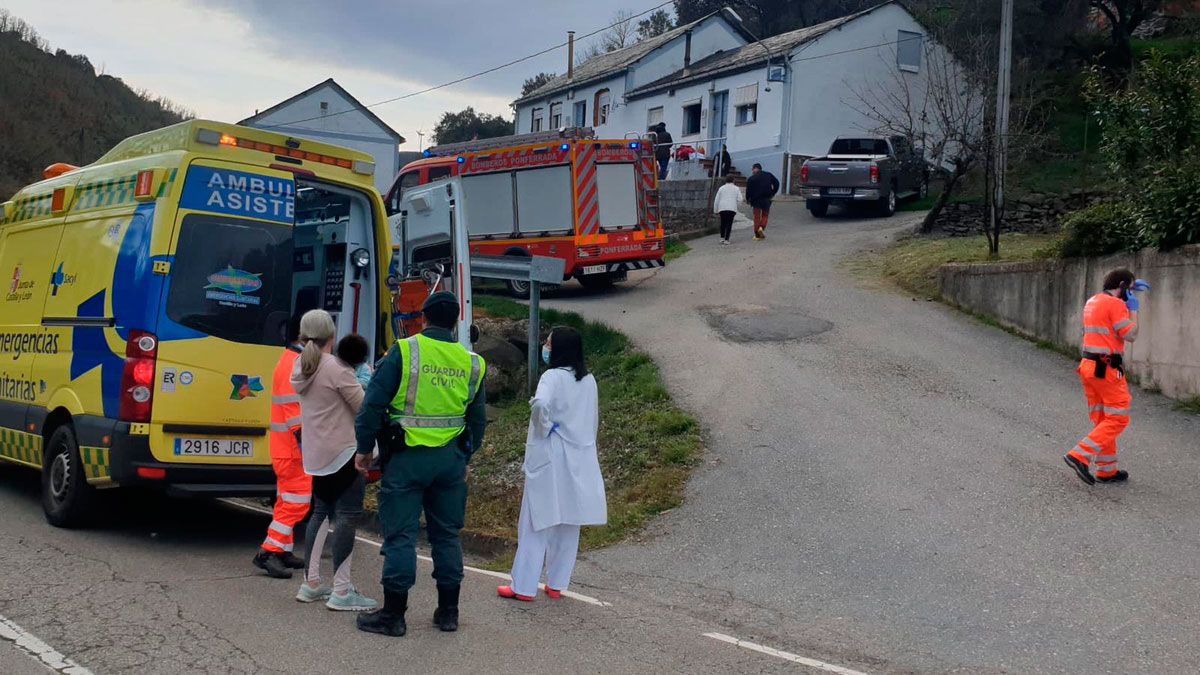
(137,377)
(874,174)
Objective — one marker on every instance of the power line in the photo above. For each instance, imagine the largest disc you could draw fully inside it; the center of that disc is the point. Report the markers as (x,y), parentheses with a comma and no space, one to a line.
(859,49)
(475,75)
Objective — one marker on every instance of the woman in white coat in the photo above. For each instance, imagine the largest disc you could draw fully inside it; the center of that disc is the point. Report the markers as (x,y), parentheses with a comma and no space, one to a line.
(563,486)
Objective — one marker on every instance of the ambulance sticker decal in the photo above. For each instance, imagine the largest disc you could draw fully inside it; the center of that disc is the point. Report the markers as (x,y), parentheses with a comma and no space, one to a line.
(60,279)
(245,386)
(232,287)
(18,290)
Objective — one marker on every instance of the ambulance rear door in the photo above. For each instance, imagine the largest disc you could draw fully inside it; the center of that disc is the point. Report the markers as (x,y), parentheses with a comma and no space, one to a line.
(224,314)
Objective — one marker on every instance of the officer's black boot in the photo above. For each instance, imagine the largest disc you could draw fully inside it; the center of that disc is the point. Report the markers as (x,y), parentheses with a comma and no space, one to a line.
(446,616)
(293,562)
(390,619)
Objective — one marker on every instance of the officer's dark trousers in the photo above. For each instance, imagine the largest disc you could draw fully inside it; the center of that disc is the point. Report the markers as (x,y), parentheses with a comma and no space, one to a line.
(433,479)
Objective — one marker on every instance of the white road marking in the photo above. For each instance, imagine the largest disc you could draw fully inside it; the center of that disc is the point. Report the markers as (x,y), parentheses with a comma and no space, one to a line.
(786,656)
(37,650)
(371,542)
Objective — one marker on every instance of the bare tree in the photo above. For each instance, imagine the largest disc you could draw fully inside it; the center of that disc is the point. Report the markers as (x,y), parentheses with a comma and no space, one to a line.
(948,110)
(621,33)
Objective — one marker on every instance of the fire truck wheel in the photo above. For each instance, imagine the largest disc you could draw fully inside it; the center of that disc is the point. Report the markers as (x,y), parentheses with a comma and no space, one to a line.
(66,495)
(518,289)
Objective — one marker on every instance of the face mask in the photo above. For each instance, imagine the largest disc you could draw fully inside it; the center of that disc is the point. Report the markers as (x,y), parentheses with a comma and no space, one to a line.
(545,354)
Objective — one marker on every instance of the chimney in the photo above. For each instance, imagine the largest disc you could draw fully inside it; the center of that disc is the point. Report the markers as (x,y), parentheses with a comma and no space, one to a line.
(687,49)
(570,54)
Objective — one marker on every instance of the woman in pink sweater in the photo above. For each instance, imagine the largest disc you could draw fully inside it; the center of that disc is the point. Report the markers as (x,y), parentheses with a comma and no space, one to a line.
(330,397)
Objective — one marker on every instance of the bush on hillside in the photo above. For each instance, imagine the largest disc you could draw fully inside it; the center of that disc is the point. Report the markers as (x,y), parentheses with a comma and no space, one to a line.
(1170,205)
(1102,229)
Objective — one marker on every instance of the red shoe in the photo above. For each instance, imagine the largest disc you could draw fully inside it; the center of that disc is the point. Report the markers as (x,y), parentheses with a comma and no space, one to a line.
(508,592)
(551,593)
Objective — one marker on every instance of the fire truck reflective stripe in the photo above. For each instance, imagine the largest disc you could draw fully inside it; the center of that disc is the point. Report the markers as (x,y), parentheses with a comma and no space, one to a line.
(587,205)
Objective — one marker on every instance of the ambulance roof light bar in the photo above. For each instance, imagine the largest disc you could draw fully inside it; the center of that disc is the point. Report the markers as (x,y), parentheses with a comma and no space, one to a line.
(213,137)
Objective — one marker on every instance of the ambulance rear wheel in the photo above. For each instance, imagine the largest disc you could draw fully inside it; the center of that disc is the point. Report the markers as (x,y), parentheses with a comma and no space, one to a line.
(66,496)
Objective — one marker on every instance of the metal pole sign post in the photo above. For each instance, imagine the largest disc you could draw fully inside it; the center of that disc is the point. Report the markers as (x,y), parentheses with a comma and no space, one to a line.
(537,270)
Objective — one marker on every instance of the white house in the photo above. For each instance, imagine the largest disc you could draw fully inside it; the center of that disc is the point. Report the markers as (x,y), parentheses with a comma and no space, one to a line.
(712,83)
(328,113)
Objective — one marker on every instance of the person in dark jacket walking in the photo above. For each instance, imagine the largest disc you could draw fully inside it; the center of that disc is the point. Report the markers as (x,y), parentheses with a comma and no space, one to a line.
(761,188)
(662,148)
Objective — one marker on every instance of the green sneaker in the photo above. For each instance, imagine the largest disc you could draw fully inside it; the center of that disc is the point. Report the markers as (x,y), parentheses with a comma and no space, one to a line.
(351,602)
(309,594)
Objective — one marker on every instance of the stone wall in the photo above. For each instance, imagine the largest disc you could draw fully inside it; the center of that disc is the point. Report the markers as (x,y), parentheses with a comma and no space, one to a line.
(1045,299)
(1035,214)
(686,206)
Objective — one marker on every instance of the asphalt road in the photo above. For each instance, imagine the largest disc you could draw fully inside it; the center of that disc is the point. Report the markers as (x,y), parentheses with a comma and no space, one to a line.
(883,491)
(890,492)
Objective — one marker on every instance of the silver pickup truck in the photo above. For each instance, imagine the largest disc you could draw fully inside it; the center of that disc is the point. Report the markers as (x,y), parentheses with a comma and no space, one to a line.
(873,170)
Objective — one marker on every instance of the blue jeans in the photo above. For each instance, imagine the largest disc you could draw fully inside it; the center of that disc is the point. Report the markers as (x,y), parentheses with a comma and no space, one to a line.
(662,168)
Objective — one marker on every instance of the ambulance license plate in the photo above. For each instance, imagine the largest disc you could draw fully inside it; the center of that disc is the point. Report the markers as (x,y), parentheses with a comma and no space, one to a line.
(213,447)
(595,269)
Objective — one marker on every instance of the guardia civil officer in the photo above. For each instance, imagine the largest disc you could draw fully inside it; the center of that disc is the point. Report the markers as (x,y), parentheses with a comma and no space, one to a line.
(428,399)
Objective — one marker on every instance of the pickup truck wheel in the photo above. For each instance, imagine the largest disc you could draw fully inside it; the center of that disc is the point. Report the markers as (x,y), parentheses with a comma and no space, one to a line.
(887,205)
(66,496)
(818,209)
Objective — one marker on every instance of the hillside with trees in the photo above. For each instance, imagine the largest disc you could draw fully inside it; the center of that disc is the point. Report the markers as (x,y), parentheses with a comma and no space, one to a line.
(55,107)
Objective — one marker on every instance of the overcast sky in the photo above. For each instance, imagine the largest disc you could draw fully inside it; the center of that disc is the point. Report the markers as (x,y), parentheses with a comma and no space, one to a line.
(225,59)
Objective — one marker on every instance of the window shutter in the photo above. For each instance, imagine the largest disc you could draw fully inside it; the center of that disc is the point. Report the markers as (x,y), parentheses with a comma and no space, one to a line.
(746,95)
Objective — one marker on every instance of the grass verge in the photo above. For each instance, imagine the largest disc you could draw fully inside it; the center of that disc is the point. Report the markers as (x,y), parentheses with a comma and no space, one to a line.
(647,445)
(912,263)
(1190,406)
(675,250)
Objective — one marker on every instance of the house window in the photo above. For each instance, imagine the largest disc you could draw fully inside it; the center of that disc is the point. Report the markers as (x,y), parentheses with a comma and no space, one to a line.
(908,50)
(654,116)
(555,115)
(535,121)
(581,113)
(747,114)
(691,119)
(600,110)
(745,104)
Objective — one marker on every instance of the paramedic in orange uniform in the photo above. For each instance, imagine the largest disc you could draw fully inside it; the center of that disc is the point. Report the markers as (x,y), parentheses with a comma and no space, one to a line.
(294,487)
(1110,319)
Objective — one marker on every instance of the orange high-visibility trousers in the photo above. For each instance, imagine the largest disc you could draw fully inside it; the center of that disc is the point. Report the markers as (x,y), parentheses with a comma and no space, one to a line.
(291,503)
(760,220)
(1108,406)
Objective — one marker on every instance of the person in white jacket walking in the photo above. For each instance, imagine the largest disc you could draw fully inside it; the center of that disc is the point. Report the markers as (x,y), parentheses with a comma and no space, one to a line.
(725,204)
(563,485)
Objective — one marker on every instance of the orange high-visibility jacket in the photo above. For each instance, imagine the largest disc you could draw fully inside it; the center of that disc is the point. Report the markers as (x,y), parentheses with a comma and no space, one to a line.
(285,409)
(1106,322)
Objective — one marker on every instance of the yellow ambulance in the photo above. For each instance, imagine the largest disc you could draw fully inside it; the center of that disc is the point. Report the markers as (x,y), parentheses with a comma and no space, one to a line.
(146,298)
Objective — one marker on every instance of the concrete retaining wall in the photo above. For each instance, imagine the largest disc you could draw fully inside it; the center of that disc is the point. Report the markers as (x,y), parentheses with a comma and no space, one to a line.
(685,205)
(1045,299)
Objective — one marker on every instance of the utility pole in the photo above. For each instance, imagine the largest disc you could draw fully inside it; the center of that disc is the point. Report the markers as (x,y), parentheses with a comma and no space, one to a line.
(1003,97)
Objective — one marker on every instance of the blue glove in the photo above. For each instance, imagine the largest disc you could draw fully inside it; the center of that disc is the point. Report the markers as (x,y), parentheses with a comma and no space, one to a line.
(1131,301)
(1141,285)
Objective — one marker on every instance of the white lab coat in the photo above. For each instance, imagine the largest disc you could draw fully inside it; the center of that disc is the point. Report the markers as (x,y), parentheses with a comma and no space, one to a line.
(563,485)
(727,199)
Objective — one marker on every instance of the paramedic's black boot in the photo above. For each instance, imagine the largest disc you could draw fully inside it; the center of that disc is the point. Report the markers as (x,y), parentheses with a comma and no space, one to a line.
(290,560)
(1080,468)
(273,564)
(390,619)
(446,616)
(1118,477)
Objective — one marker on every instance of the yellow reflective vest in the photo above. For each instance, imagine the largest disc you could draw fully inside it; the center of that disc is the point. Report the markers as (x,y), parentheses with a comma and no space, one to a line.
(438,381)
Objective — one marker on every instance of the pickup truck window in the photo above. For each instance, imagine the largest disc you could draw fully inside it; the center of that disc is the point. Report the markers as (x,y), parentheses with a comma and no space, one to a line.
(859,146)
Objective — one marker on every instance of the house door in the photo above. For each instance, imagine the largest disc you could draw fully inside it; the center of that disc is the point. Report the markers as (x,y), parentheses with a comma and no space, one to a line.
(720,122)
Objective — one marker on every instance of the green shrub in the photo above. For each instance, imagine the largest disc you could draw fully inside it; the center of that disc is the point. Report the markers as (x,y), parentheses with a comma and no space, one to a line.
(1170,205)
(1102,229)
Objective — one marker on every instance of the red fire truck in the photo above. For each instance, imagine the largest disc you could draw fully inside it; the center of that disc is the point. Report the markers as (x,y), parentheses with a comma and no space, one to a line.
(592,202)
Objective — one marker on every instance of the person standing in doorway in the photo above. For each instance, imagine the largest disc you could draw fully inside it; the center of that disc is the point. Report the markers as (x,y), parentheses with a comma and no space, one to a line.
(1110,319)
(662,148)
(293,486)
(725,205)
(761,188)
(563,485)
(428,398)
(330,396)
